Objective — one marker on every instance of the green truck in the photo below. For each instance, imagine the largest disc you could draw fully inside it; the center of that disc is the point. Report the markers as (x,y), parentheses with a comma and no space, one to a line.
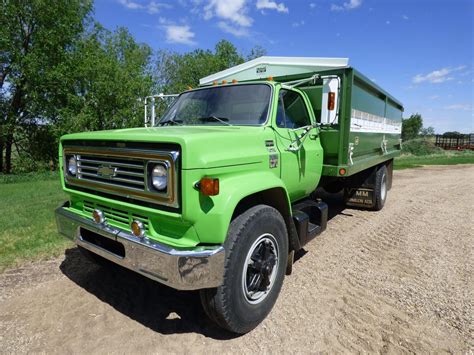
(218,194)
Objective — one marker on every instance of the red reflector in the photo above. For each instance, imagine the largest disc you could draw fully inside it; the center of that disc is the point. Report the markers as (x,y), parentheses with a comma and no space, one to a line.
(209,186)
(342,171)
(331,101)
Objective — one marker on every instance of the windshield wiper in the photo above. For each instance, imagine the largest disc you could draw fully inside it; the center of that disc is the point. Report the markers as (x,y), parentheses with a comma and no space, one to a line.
(172,122)
(223,120)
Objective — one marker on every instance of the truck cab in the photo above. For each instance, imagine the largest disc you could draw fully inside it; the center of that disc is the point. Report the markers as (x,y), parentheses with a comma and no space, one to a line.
(216,195)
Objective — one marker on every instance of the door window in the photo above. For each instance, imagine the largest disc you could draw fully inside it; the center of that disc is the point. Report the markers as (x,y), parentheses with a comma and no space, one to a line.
(291,112)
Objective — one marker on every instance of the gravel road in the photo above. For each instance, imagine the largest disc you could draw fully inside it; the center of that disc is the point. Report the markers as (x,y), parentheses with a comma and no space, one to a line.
(399,280)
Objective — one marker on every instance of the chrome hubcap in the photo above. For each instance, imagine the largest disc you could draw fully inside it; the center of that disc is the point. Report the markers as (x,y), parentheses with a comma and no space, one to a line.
(260,268)
(383,188)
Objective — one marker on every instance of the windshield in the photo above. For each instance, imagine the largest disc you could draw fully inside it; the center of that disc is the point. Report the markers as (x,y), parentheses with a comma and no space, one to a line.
(221,105)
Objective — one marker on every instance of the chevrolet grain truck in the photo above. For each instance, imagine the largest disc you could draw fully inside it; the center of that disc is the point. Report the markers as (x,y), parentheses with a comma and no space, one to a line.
(217,194)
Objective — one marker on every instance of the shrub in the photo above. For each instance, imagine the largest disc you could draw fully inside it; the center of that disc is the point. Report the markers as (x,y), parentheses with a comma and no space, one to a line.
(420,146)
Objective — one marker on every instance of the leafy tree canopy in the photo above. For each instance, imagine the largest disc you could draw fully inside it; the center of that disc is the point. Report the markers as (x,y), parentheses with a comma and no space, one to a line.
(111,73)
(412,126)
(35,38)
(176,72)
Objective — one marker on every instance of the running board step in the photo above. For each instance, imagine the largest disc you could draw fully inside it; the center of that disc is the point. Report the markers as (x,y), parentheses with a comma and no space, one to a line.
(310,218)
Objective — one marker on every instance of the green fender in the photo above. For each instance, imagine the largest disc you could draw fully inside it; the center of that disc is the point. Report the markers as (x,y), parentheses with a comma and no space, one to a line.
(213,217)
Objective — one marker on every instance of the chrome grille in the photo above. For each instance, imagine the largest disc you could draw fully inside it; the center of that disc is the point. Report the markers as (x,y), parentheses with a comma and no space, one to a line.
(122,217)
(122,172)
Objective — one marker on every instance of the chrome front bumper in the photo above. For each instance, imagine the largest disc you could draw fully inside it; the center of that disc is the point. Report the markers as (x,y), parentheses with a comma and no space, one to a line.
(181,269)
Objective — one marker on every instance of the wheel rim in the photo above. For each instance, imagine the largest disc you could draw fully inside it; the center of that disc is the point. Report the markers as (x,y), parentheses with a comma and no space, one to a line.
(260,268)
(383,187)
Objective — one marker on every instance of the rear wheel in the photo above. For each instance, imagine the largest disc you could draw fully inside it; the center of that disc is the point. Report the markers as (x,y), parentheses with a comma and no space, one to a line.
(381,188)
(256,259)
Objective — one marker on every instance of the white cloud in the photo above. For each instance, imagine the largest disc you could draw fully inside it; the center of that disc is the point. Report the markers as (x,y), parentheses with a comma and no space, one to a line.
(231,10)
(152,7)
(298,23)
(271,5)
(434,97)
(437,76)
(237,31)
(180,34)
(405,17)
(131,4)
(462,107)
(350,5)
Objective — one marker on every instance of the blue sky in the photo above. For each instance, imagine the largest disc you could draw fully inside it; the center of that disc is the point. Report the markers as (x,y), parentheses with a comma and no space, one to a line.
(421,51)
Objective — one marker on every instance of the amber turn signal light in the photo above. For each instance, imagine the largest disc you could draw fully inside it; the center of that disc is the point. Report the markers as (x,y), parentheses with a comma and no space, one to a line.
(98,216)
(331,101)
(137,228)
(209,186)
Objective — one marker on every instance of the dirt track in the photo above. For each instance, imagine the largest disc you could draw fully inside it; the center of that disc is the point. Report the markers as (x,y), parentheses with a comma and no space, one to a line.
(399,280)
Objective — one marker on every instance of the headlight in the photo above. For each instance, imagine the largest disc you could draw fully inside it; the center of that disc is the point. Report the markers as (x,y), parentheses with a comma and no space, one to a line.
(72,165)
(159,177)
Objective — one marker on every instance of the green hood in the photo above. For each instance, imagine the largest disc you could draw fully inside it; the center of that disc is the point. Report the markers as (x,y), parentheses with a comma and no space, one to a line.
(201,146)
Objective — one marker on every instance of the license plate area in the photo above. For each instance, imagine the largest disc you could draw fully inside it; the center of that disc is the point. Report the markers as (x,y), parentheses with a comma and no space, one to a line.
(110,245)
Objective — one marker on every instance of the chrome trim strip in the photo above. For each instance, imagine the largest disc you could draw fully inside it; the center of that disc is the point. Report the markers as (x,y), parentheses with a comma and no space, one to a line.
(123,165)
(133,182)
(189,269)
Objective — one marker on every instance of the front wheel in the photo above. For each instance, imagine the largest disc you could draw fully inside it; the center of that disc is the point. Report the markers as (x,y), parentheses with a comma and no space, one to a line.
(256,257)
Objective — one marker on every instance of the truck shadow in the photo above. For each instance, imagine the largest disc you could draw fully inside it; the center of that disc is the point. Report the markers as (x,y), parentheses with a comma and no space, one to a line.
(158,307)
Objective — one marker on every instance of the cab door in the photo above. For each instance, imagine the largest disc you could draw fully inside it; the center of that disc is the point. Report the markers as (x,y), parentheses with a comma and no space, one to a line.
(300,169)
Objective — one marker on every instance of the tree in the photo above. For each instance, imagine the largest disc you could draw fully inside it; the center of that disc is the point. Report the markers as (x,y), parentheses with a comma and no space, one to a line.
(411,127)
(428,131)
(255,52)
(453,134)
(112,73)
(176,72)
(35,37)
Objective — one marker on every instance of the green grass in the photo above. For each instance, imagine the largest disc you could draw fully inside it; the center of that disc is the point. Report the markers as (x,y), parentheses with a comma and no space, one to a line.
(28,228)
(445,158)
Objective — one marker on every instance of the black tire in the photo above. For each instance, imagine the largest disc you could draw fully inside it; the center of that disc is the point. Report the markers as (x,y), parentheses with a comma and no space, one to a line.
(239,305)
(94,258)
(381,188)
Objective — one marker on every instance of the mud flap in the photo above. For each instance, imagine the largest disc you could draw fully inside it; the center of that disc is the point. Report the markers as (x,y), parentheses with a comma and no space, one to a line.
(359,197)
